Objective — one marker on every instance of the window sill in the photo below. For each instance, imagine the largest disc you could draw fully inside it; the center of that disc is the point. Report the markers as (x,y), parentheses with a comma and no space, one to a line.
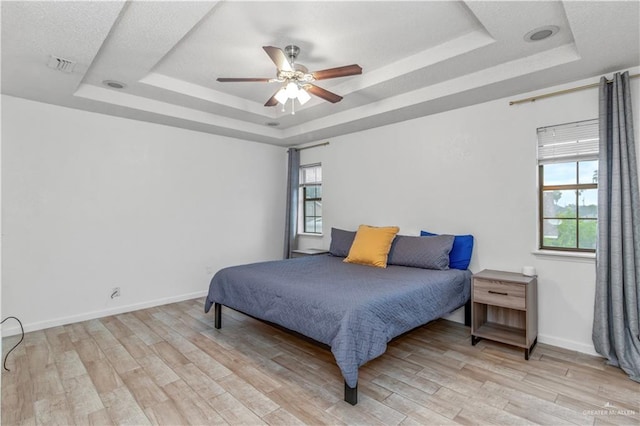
(305,234)
(565,254)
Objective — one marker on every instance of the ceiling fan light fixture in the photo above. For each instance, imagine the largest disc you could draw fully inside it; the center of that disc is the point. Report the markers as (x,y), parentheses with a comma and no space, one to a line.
(292,90)
(281,96)
(303,96)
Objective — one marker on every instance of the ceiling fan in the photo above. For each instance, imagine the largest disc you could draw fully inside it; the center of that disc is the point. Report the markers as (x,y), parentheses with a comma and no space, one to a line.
(297,81)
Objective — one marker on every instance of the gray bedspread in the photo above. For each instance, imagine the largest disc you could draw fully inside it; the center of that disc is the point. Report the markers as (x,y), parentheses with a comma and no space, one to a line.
(354,309)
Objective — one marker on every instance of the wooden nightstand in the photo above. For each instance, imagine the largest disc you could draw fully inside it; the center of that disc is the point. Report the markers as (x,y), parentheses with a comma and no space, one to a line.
(504,308)
(307,252)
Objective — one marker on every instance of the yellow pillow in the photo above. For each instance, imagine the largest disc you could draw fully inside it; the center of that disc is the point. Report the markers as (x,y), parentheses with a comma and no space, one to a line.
(371,245)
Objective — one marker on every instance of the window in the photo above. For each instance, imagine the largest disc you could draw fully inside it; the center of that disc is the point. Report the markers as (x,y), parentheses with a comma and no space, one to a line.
(311,198)
(568,186)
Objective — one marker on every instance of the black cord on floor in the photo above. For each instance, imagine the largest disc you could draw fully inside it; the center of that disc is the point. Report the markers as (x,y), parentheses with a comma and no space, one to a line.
(4,364)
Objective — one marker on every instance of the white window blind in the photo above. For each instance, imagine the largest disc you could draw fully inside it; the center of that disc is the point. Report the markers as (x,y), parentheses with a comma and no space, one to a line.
(568,142)
(311,174)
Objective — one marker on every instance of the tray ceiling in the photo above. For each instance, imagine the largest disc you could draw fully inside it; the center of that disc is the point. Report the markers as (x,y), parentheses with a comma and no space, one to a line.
(418,58)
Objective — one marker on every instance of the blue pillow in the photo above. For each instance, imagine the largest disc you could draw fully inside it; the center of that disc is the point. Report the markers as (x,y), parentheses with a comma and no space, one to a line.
(460,255)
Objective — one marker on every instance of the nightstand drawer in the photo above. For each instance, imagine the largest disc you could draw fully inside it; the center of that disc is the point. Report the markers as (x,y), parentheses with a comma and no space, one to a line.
(499,293)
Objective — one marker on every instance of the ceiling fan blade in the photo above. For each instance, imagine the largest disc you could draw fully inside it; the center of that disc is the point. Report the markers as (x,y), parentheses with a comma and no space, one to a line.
(272,100)
(240,80)
(322,93)
(278,57)
(337,72)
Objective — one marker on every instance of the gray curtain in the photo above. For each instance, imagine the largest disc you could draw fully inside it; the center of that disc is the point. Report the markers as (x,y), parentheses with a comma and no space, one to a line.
(616,331)
(293,182)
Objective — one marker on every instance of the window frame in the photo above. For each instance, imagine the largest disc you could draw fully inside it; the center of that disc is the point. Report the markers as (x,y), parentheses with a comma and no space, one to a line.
(303,200)
(567,187)
(561,150)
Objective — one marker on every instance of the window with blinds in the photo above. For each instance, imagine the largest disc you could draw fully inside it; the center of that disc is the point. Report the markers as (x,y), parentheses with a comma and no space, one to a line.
(311,198)
(568,186)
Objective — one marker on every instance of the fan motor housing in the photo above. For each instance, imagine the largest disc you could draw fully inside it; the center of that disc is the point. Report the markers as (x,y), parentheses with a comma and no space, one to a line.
(292,52)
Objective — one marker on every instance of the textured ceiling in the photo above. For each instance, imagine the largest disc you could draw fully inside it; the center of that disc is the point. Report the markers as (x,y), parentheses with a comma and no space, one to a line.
(418,57)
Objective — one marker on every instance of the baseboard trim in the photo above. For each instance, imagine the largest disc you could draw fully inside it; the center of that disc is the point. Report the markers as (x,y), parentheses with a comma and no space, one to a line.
(568,344)
(455,316)
(458,316)
(15,329)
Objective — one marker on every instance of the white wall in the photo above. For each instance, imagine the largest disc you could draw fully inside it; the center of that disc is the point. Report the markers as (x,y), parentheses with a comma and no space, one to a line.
(91,202)
(471,170)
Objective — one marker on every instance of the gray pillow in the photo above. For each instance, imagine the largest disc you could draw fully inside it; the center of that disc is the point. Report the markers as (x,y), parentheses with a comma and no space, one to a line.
(421,252)
(341,241)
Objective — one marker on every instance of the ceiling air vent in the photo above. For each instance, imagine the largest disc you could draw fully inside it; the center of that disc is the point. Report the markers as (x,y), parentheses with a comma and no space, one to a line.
(61,64)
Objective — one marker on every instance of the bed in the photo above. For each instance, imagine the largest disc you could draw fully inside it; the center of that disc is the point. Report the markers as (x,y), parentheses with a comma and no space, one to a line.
(354,309)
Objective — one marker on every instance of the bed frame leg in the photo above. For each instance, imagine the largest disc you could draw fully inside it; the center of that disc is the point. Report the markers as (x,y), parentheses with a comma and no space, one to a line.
(217,315)
(350,394)
(467,313)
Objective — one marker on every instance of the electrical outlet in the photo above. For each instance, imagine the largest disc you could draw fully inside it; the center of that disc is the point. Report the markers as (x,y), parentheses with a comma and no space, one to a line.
(115,292)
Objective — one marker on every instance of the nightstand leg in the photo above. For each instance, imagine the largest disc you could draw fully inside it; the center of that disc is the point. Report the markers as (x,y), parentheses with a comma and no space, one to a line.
(475,340)
(467,313)
(528,351)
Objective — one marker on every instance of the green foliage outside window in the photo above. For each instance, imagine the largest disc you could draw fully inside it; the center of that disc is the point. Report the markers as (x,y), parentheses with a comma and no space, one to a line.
(569,206)
(570,230)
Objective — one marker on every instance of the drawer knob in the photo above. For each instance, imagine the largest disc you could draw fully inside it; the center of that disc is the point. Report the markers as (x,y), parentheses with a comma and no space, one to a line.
(498,292)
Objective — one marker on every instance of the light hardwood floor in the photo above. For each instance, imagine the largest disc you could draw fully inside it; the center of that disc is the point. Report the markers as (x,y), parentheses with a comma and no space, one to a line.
(168,365)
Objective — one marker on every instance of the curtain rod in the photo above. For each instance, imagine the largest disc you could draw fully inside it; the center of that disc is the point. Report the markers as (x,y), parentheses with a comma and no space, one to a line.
(312,146)
(561,92)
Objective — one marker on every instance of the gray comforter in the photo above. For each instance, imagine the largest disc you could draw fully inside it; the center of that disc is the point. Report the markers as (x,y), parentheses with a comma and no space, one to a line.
(354,309)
